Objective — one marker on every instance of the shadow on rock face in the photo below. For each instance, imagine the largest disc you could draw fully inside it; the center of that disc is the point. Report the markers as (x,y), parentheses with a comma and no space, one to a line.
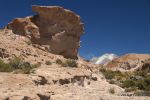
(43,97)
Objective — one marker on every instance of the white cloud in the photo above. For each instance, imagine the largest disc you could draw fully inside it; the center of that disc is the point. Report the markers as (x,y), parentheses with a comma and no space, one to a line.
(105,58)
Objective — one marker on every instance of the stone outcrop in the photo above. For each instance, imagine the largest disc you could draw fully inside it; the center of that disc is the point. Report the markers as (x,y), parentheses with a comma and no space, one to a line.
(145,66)
(57,28)
(24,26)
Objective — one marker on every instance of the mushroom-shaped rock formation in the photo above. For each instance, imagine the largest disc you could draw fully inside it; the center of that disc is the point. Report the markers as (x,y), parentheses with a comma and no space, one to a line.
(58,28)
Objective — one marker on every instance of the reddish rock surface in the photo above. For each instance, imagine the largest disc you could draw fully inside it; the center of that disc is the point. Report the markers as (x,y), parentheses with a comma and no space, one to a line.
(129,62)
(24,26)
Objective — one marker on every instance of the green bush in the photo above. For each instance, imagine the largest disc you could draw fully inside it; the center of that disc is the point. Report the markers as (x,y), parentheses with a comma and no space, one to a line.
(112,82)
(18,66)
(58,61)
(128,83)
(142,93)
(26,68)
(112,90)
(16,62)
(109,74)
(64,64)
(130,89)
(68,62)
(131,81)
(48,63)
(36,65)
(141,84)
(5,67)
(140,73)
(71,63)
(144,84)
(29,42)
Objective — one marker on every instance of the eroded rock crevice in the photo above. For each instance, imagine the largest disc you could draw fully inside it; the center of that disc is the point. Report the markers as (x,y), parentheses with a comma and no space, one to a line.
(41,80)
(4,53)
(76,80)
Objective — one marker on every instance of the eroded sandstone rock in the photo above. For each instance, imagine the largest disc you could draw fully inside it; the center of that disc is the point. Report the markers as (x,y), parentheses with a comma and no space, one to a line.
(24,26)
(57,28)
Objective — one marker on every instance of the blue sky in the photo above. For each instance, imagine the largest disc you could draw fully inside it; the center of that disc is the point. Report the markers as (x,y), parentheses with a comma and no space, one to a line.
(111,26)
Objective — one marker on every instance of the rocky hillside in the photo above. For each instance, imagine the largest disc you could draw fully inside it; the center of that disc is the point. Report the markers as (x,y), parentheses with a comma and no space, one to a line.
(130,62)
(55,77)
(131,72)
(31,70)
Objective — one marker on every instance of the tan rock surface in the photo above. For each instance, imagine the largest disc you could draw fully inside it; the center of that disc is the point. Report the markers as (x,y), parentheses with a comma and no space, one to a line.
(24,27)
(53,82)
(56,28)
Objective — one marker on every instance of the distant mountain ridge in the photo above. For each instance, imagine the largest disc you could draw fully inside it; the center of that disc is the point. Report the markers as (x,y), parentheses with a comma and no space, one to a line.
(105,58)
(130,62)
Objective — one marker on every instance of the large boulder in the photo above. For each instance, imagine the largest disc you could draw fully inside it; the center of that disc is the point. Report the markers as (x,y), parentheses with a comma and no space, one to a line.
(57,28)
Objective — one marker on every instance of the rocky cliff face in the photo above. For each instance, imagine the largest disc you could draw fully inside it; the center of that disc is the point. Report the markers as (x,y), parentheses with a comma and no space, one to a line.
(57,28)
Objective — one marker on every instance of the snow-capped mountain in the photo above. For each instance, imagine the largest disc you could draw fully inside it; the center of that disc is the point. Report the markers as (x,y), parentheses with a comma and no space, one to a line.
(105,58)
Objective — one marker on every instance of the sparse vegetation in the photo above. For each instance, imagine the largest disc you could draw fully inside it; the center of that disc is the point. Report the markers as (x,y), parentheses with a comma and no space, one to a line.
(4,67)
(130,89)
(137,81)
(17,65)
(112,82)
(36,65)
(112,90)
(131,81)
(110,74)
(16,62)
(48,63)
(29,42)
(142,93)
(58,61)
(71,63)
(67,63)
(25,68)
